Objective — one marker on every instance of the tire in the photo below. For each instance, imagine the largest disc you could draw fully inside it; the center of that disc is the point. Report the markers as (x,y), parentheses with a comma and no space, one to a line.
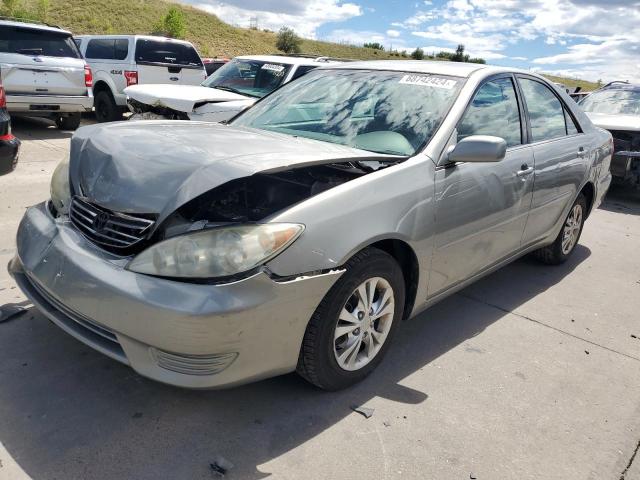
(318,362)
(106,108)
(556,253)
(70,122)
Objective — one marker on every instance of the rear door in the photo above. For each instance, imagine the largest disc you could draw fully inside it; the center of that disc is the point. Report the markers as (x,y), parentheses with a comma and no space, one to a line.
(108,58)
(482,208)
(559,148)
(168,61)
(40,62)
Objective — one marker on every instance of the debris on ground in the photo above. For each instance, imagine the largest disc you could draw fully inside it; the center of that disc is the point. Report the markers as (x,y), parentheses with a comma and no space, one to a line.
(364,411)
(386,423)
(11,310)
(634,336)
(220,466)
(587,352)
(472,476)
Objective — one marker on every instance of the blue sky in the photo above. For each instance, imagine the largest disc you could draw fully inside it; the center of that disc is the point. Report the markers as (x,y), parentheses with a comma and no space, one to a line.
(591,39)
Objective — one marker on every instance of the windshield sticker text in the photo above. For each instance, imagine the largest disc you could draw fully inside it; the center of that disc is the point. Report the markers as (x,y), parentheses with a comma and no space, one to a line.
(427,81)
(272,67)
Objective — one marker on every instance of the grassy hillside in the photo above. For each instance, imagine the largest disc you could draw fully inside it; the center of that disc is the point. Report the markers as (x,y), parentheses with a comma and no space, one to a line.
(572,83)
(211,36)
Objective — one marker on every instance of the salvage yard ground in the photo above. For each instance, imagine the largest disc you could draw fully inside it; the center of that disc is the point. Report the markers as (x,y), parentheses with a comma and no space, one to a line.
(531,373)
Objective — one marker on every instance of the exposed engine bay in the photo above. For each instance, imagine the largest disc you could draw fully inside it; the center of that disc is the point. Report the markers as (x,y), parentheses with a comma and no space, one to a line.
(142,111)
(254,198)
(625,165)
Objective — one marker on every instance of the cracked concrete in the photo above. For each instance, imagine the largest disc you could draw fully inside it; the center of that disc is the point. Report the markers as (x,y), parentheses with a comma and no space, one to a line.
(494,380)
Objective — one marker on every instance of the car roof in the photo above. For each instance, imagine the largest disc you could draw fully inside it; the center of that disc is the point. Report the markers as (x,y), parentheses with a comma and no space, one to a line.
(144,37)
(34,26)
(292,60)
(455,69)
(622,86)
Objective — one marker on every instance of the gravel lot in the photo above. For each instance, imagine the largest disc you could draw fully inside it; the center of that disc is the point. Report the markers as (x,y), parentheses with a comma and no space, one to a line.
(531,373)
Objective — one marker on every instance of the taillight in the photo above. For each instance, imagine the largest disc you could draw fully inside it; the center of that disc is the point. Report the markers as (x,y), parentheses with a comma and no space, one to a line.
(3,98)
(88,76)
(131,77)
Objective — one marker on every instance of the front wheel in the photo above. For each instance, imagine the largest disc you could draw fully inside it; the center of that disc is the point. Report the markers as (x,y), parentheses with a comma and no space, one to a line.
(565,243)
(106,108)
(353,326)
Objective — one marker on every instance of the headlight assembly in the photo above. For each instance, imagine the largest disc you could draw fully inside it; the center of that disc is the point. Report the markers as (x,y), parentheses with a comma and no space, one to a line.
(60,190)
(218,252)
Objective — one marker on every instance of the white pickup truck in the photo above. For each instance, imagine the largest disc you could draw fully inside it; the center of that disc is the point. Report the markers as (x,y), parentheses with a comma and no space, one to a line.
(43,73)
(119,61)
(232,88)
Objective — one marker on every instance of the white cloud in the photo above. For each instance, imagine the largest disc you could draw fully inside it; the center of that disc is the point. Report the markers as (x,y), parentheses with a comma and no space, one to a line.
(304,16)
(393,33)
(359,37)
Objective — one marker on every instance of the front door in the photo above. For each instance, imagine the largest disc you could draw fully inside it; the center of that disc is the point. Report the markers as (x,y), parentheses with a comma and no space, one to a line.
(482,208)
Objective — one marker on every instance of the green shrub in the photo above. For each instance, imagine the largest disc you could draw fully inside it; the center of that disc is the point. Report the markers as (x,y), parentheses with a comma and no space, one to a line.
(288,41)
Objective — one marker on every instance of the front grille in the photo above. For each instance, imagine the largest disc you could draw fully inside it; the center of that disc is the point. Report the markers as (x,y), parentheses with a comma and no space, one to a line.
(114,231)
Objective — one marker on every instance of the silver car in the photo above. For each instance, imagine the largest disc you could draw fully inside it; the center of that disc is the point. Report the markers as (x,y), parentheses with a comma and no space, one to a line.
(301,235)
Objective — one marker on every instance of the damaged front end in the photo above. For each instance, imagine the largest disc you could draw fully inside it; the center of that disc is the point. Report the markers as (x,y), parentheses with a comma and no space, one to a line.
(143,111)
(625,165)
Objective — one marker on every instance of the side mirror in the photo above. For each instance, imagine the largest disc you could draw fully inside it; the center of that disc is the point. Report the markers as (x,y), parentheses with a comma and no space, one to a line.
(478,148)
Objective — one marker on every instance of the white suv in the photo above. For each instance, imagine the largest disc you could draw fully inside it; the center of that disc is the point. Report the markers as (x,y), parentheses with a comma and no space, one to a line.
(43,73)
(232,88)
(119,61)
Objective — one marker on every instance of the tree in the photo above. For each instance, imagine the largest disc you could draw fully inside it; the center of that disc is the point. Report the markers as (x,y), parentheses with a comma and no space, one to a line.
(287,41)
(417,54)
(374,45)
(173,24)
(459,55)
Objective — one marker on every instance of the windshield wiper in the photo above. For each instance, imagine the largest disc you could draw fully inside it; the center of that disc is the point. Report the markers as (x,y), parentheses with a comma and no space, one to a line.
(234,90)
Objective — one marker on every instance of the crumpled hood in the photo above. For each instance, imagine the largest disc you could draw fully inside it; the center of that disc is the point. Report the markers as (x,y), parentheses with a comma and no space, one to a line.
(629,123)
(157,166)
(182,98)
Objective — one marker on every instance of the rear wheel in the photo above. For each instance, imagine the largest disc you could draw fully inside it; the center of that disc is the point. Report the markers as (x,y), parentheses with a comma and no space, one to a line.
(68,122)
(353,326)
(565,243)
(106,108)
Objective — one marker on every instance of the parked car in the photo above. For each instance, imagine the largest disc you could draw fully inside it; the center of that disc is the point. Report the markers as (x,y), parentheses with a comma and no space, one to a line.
(616,108)
(213,64)
(119,61)
(302,233)
(232,88)
(43,73)
(9,144)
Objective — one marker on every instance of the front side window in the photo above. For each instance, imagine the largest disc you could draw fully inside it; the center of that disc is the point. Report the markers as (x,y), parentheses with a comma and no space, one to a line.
(493,111)
(614,102)
(546,113)
(29,41)
(253,78)
(385,112)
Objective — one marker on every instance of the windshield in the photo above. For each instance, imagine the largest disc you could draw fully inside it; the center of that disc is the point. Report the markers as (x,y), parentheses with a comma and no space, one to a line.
(384,112)
(614,102)
(253,78)
(167,52)
(28,41)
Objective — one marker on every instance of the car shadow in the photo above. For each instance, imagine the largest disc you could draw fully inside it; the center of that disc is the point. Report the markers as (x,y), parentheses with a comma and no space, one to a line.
(69,412)
(37,128)
(622,199)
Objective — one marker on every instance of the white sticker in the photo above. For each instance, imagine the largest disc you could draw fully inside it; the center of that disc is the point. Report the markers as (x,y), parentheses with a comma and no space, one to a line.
(272,67)
(428,81)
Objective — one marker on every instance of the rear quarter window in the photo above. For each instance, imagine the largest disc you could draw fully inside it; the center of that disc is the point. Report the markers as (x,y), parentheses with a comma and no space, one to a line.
(28,41)
(166,52)
(107,49)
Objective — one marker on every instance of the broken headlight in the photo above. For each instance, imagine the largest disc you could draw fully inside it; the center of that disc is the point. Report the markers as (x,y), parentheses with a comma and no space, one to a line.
(60,191)
(218,252)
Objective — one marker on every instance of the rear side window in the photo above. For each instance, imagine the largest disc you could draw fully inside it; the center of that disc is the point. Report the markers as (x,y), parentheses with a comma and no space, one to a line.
(107,49)
(302,69)
(546,113)
(27,41)
(167,52)
(493,111)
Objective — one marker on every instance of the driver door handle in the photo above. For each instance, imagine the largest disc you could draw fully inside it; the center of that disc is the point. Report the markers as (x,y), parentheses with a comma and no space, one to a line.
(524,170)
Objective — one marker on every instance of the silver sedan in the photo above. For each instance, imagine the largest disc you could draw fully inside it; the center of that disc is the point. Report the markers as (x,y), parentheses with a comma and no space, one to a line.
(302,234)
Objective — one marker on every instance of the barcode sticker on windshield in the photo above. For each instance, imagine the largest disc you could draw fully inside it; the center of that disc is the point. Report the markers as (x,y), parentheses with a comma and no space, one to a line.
(272,67)
(428,81)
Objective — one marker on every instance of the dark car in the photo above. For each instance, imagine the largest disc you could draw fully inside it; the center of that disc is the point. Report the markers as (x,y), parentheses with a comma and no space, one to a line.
(9,145)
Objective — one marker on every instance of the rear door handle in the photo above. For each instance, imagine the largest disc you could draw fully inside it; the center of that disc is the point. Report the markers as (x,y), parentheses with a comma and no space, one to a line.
(524,170)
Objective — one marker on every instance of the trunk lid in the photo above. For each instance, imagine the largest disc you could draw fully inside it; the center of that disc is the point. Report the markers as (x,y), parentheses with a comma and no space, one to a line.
(40,62)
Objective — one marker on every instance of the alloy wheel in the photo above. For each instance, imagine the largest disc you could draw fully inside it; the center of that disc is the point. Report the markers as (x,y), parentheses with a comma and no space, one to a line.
(572,227)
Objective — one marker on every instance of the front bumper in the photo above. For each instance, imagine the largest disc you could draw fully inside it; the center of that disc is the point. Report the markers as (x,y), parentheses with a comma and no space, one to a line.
(48,104)
(183,334)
